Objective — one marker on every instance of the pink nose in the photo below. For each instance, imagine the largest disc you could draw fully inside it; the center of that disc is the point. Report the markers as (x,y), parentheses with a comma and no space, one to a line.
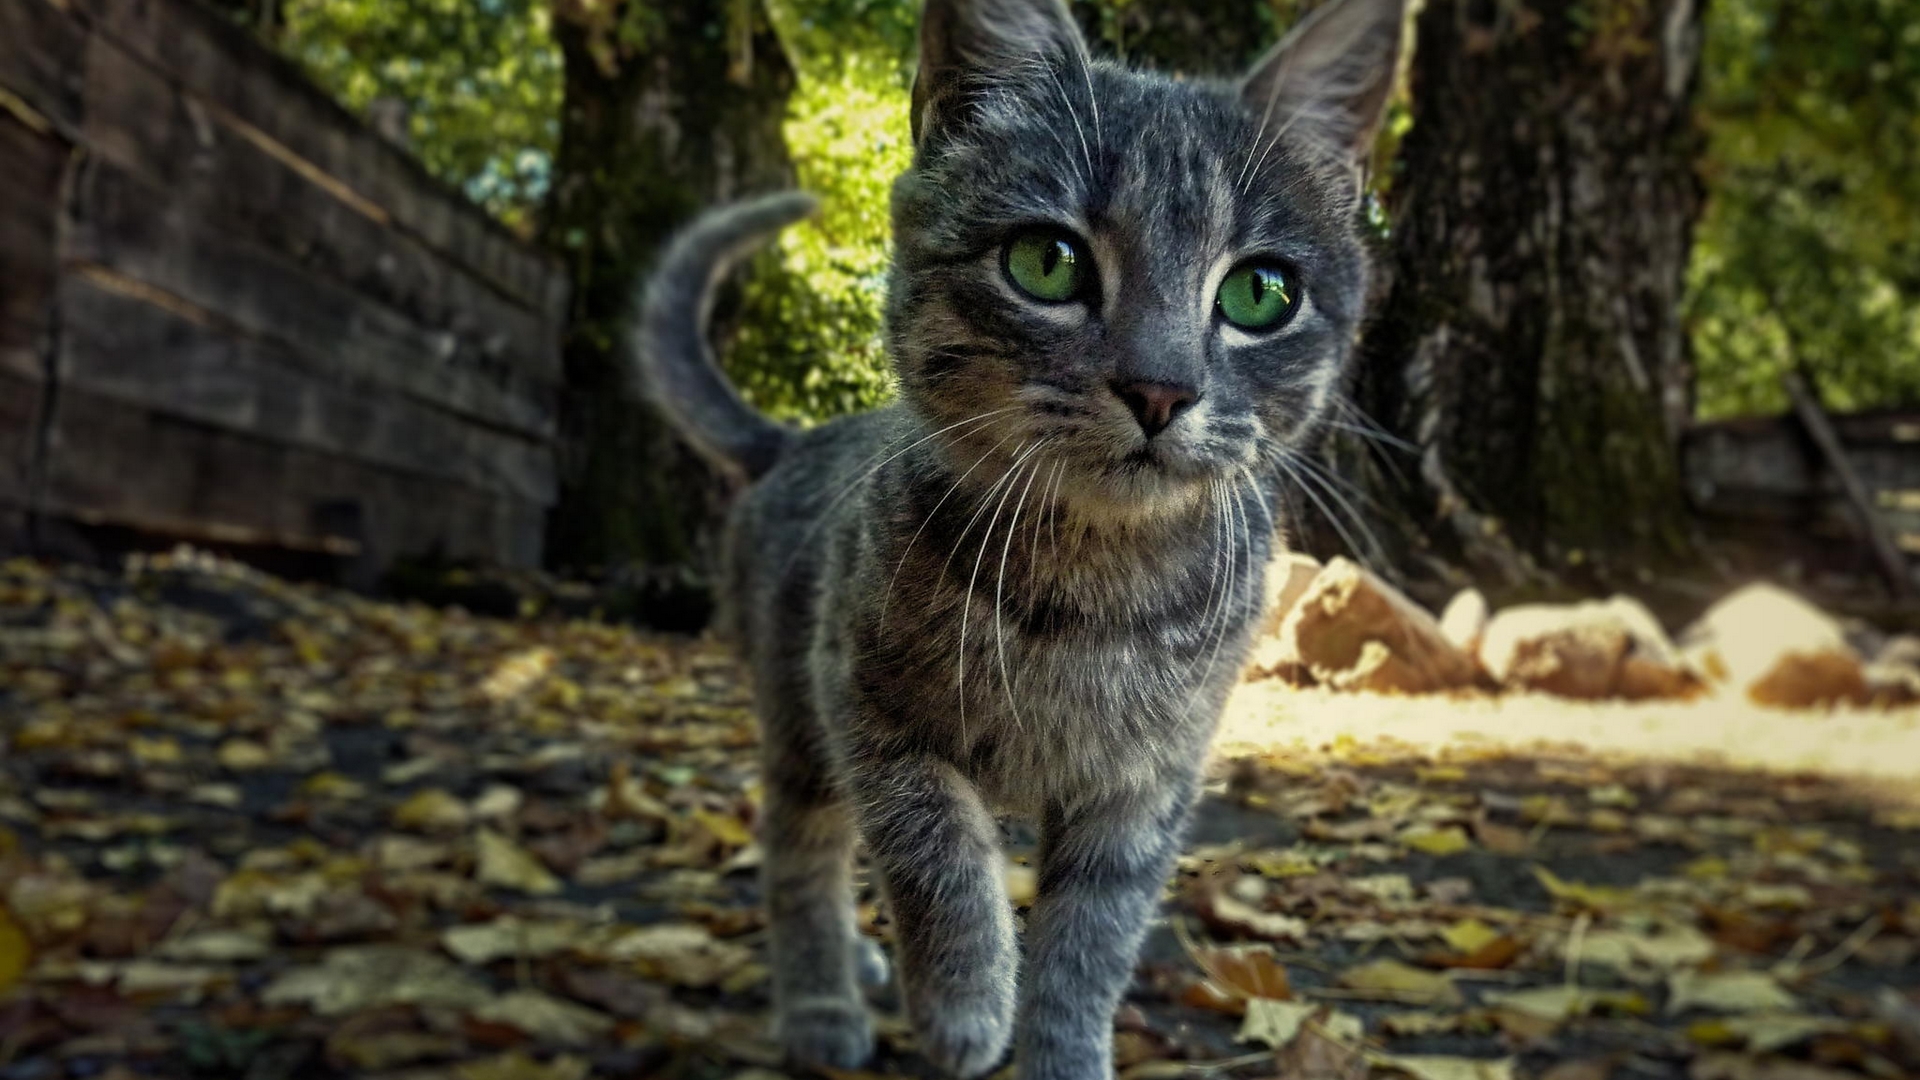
(1155,404)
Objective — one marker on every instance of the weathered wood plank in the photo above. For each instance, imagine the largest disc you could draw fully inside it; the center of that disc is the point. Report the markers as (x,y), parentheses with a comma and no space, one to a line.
(20,404)
(124,348)
(118,463)
(143,123)
(41,54)
(31,166)
(133,230)
(245,85)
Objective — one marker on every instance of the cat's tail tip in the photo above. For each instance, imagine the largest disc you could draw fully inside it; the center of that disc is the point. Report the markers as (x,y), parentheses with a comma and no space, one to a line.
(677,369)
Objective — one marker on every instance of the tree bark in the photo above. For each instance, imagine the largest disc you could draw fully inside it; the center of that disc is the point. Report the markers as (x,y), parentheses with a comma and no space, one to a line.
(1529,344)
(1188,37)
(651,133)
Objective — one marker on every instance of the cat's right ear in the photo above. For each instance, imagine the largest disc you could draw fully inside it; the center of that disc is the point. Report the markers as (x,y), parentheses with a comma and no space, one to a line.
(966,44)
(1330,78)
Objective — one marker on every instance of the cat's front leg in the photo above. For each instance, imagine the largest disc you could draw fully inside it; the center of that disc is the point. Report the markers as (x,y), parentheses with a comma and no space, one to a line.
(1103,863)
(937,848)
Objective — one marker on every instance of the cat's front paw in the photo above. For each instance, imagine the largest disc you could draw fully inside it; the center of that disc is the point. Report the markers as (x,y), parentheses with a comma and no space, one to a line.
(830,1033)
(966,1039)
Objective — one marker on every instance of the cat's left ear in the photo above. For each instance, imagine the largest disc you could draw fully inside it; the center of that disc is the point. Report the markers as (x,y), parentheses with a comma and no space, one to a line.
(1331,76)
(966,45)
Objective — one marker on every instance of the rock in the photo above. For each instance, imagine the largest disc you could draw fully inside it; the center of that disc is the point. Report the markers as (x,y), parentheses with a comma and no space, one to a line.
(1592,651)
(1288,575)
(1353,631)
(1893,678)
(1464,621)
(1773,648)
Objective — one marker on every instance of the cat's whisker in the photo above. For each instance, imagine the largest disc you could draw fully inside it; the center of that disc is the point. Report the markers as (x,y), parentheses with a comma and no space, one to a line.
(876,464)
(1216,492)
(1236,529)
(887,599)
(1010,477)
(1247,185)
(999,590)
(1085,150)
(1266,116)
(1300,483)
(1093,99)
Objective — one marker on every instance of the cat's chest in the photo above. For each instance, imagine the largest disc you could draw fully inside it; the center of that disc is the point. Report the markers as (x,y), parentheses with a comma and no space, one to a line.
(1045,716)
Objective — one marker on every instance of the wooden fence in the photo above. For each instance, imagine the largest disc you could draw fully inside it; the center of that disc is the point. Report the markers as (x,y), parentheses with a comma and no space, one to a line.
(1767,474)
(230,313)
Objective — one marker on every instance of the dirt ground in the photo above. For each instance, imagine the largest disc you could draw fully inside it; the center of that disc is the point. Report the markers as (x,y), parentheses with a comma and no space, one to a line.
(249,829)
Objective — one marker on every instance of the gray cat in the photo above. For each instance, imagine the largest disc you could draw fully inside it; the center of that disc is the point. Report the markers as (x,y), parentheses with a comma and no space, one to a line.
(1119,305)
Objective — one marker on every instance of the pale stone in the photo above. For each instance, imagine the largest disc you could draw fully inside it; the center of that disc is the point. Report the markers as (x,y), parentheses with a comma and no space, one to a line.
(1353,631)
(1773,648)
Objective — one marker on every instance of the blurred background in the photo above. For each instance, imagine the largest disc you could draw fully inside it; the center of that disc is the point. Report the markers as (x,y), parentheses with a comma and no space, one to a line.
(1635,255)
(355,712)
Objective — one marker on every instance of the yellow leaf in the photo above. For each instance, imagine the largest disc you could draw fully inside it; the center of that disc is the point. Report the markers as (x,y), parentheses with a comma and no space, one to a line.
(16,952)
(518,1066)
(1598,897)
(1272,1022)
(545,1017)
(1439,1067)
(1281,863)
(332,785)
(483,943)
(1023,884)
(1395,981)
(1469,936)
(1450,840)
(1727,992)
(243,755)
(726,828)
(508,865)
(431,810)
(1555,1003)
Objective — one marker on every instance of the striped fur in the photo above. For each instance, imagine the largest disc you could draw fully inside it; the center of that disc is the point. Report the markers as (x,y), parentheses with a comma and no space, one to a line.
(997,595)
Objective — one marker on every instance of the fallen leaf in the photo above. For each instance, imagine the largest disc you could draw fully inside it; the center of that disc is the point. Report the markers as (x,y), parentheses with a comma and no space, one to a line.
(545,1017)
(431,810)
(1023,884)
(1392,980)
(1247,971)
(1272,1022)
(1553,1003)
(220,946)
(16,952)
(1727,992)
(518,1066)
(1469,935)
(507,936)
(1229,915)
(509,866)
(1589,1069)
(357,977)
(1440,1067)
(686,954)
(1449,840)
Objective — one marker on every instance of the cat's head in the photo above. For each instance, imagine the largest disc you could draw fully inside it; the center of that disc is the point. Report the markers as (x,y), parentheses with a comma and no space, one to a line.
(1154,283)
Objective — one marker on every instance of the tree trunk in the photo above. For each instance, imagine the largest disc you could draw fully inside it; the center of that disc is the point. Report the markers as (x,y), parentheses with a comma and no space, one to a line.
(1530,343)
(1188,37)
(651,133)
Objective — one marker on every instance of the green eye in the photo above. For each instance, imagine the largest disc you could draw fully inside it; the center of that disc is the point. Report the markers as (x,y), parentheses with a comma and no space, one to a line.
(1257,296)
(1046,264)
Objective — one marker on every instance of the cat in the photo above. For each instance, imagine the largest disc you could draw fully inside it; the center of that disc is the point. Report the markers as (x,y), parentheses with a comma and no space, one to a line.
(1118,304)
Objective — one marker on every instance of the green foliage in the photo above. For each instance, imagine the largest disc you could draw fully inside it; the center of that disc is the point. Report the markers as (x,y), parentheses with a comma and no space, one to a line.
(810,346)
(1809,250)
(480,78)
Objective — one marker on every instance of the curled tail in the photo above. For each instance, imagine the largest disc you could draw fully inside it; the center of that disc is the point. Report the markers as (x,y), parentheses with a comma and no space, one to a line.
(677,369)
